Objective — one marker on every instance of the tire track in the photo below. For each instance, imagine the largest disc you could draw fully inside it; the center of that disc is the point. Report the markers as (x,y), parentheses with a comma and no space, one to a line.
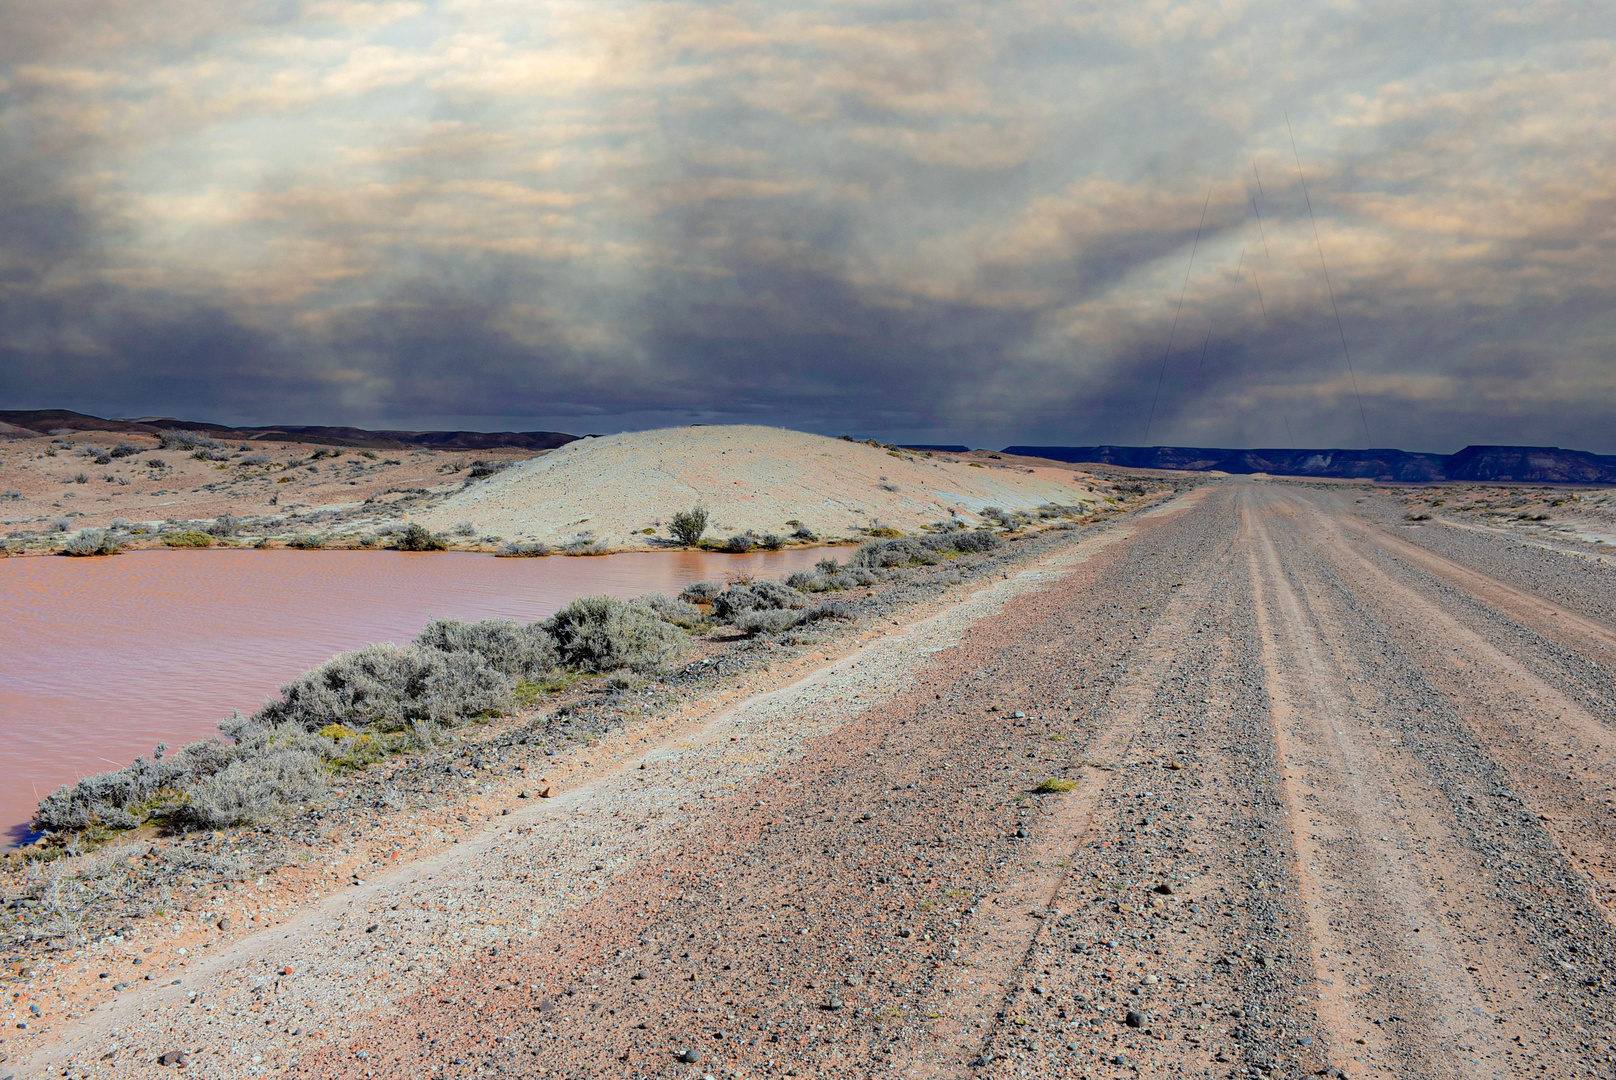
(1357,808)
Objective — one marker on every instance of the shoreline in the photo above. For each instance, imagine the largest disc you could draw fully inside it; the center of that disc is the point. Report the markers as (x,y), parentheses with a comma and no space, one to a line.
(193,899)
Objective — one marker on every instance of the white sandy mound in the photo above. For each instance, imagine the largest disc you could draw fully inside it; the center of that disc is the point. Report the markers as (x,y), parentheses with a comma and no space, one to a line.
(748,478)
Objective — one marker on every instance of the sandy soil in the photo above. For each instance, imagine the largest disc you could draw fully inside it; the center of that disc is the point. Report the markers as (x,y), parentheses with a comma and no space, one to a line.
(279,489)
(1338,801)
(749,478)
(1581,515)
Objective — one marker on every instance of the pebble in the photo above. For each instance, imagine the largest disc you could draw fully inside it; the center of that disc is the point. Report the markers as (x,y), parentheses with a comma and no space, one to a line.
(689,1057)
(175,1057)
(1136,1019)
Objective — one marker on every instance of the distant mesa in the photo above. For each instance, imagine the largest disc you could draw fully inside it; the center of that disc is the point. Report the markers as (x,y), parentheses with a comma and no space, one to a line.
(939,448)
(35,422)
(1481,464)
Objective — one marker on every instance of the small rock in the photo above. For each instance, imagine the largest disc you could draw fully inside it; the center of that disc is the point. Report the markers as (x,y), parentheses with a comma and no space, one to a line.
(546,790)
(175,1057)
(901,933)
(223,924)
(1136,1019)
(1165,889)
(689,1057)
(1021,834)
(287,970)
(832,1003)
(1018,715)
(35,1010)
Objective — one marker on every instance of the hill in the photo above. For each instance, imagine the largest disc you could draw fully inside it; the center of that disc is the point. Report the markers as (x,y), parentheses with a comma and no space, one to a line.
(1481,464)
(749,478)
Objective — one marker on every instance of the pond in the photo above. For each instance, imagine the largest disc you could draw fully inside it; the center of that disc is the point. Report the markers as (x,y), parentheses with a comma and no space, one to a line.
(101,659)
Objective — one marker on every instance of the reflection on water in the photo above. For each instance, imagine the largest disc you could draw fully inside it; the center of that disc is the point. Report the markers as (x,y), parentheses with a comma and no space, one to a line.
(100,659)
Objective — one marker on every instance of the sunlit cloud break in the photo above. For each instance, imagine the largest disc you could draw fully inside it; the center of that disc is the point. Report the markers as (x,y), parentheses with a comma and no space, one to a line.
(925,222)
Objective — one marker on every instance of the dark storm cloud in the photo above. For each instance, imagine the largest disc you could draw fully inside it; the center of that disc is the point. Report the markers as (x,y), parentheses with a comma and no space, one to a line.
(938,222)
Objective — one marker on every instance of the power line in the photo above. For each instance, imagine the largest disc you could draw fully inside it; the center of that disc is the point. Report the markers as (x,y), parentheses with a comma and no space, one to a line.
(1258,211)
(1351,374)
(1201,363)
(1161,378)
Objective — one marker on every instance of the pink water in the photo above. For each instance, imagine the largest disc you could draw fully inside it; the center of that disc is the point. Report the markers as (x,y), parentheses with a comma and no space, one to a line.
(101,659)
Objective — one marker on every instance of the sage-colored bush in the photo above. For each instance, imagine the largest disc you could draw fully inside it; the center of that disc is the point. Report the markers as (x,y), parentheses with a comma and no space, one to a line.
(598,633)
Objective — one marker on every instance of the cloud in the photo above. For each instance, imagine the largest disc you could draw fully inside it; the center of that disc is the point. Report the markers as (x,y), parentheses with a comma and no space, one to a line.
(957,221)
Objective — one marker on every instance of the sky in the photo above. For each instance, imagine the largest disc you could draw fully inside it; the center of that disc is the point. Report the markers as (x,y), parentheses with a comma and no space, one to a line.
(1352,223)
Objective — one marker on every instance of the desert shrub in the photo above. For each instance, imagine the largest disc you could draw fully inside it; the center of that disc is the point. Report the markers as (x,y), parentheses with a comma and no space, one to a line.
(897,551)
(835,609)
(81,478)
(758,596)
(584,544)
(415,537)
(103,459)
(851,578)
(10,496)
(92,542)
(188,538)
(156,463)
(480,469)
(60,525)
(124,798)
(389,688)
(524,651)
(740,543)
(522,549)
(312,542)
(680,613)
(827,566)
(771,542)
(225,525)
(974,541)
(779,620)
(252,788)
(597,633)
(802,580)
(465,528)
(804,533)
(769,621)
(883,531)
(119,523)
(688,526)
(123,450)
(701,592)
(177,439)
(257,459)
(908,550)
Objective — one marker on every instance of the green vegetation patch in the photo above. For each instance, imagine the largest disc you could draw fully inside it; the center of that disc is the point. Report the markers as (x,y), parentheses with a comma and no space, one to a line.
(190,538)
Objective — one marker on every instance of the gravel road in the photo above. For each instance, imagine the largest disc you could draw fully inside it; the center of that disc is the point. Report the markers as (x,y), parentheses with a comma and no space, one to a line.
(1321,795)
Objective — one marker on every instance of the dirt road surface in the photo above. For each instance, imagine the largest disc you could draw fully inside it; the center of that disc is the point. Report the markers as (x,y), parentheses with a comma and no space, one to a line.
(1337,797)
